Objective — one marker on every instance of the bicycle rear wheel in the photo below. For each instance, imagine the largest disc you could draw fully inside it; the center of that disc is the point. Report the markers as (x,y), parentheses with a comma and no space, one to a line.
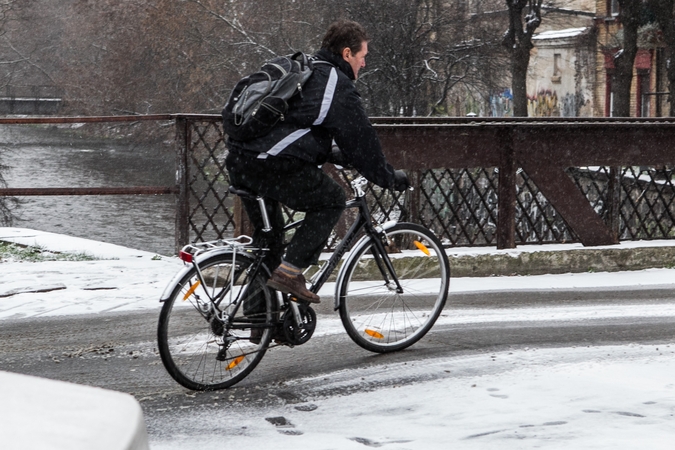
(375,313)
(200,349)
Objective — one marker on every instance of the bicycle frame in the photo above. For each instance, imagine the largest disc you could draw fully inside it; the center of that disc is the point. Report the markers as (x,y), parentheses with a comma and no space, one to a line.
(381,258)
(237,246)
(363,221)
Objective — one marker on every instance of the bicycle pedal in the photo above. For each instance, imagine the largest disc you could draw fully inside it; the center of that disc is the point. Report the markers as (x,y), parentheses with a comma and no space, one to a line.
(299,301)
(222,354)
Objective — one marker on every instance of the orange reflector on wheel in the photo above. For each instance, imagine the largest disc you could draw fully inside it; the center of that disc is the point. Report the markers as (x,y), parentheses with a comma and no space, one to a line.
(235,362)
(192,290)
(375,334)
(423,248)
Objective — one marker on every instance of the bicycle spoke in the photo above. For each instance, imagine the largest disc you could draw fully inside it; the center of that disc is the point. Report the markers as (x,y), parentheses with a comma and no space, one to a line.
(198,349)
(375,315)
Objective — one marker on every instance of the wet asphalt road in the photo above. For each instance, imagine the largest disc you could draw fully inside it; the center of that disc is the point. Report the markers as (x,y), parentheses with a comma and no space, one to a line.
(118,351)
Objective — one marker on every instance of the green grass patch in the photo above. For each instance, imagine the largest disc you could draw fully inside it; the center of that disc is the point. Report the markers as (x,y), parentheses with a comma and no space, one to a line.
(10,252)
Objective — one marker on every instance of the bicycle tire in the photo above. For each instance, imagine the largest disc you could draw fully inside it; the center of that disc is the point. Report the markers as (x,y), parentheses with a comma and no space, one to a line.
(197,350)
(374,314)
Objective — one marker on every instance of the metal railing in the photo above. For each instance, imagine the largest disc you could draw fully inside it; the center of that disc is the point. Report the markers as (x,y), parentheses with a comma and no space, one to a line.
(484,181)
(479,182)
(126,190)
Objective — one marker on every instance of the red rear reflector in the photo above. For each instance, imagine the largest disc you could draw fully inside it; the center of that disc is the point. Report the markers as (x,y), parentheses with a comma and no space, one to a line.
(185,256)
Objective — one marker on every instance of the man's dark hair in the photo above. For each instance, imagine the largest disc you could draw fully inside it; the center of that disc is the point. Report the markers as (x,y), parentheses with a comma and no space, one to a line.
(344,34)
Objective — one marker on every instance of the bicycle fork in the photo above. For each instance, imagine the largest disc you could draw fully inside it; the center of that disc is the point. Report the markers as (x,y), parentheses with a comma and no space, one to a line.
(381,257)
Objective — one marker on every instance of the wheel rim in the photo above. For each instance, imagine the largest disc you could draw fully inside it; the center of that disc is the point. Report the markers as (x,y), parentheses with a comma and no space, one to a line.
(377,316)
(197,350)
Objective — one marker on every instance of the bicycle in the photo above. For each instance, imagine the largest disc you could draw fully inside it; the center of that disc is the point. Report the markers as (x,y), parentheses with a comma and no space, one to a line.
(219,318)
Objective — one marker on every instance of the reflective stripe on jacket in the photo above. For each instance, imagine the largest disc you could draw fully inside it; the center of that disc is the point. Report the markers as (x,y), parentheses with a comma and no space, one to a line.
(329,108)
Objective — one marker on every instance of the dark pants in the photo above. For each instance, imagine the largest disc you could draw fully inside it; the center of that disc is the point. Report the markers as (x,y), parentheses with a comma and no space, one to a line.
(302,187)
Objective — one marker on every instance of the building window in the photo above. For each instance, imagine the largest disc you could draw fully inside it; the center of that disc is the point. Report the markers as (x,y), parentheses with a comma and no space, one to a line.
(557,68)
(613,7)
(609,95)
(643,94)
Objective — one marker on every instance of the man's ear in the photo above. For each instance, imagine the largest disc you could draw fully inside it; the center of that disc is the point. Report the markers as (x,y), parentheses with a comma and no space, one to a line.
(346,53)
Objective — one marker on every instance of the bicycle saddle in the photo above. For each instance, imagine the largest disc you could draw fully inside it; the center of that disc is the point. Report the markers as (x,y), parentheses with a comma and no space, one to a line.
(242,192)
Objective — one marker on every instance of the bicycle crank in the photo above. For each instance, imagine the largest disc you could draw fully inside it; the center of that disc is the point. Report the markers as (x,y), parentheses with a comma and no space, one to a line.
(297,333)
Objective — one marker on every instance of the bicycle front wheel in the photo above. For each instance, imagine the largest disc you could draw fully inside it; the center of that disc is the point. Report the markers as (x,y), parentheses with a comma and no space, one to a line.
(381,315)
(214,329)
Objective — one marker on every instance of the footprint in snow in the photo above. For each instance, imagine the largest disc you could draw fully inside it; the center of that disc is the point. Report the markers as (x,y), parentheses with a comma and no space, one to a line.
(496,395)
(284,426)
(371,443)
(629,414)
(307,408)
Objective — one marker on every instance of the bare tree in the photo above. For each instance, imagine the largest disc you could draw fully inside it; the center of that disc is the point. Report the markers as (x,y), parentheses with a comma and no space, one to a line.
(624,58)
(664,14)
(157,56)
(417,55)
(524,19)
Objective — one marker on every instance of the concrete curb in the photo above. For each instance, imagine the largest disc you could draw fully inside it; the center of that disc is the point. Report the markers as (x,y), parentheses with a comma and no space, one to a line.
(548,259)
(542,262)
(464,262)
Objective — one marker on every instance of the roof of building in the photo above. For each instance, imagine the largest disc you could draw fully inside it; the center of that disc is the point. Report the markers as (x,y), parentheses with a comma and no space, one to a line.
(561,34)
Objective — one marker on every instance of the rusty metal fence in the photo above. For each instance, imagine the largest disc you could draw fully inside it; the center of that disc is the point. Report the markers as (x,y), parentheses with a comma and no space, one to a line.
(477,182)
(461,205)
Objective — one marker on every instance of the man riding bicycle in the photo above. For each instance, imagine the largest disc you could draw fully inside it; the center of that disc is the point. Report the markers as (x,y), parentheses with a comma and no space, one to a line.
(284,165)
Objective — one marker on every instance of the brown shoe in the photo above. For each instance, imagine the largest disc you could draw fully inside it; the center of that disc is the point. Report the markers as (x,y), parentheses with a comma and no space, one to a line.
(292,285)
(256,335)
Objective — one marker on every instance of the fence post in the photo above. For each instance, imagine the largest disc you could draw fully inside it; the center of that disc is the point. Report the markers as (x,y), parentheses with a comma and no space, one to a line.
(182,175)
(614,200)
(242,224)
(413,198)
(506,208)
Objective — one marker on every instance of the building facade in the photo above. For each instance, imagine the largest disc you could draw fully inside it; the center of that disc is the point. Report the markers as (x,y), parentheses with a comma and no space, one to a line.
(571,67)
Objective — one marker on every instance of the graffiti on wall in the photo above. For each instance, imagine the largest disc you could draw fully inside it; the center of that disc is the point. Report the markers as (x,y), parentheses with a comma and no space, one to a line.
(547,104)
(544,104)
(501,104)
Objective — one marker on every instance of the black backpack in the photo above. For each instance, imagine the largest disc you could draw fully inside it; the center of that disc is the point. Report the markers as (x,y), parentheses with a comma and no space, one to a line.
(260,100)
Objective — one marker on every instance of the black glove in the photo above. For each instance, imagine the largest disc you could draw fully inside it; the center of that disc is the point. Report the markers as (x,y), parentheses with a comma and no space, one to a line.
(401,182)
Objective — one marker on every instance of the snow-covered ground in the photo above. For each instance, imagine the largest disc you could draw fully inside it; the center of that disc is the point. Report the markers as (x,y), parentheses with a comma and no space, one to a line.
(618,397)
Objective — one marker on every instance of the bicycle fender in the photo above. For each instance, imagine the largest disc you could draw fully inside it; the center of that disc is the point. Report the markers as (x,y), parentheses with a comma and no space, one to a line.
(181,273)
(350,256)
(174,282)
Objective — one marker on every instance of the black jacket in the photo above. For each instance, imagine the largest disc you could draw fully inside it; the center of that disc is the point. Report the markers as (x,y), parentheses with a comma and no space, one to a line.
(329,109)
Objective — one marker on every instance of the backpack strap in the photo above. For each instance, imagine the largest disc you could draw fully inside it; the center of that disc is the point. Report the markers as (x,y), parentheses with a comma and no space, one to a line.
(315,60)
(303,59)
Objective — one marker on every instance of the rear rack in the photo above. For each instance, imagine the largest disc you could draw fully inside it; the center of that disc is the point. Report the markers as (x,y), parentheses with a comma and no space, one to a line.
(190,251)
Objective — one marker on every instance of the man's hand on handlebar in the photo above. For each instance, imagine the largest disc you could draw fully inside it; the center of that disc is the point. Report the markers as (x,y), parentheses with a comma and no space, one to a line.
(337,158)
(401,182)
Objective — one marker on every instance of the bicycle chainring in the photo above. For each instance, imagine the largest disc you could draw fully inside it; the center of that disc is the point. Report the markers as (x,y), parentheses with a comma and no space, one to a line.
(217,326)
(298,335)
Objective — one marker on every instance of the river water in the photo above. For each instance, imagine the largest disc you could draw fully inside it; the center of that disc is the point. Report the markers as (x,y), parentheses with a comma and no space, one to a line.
(68,156)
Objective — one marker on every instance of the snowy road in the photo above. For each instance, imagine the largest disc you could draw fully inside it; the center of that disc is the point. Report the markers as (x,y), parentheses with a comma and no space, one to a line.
(470,346)
(569,361)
